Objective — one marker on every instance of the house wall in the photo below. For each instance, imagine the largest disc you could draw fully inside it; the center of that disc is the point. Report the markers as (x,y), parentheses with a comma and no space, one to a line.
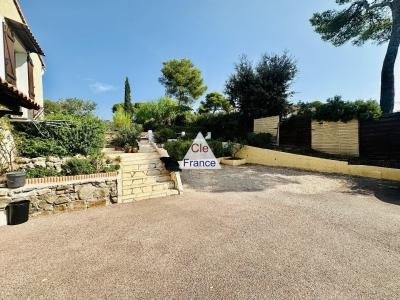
(9,10)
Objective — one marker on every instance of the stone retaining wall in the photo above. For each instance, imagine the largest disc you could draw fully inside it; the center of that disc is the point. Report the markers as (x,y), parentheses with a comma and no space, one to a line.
(67,196)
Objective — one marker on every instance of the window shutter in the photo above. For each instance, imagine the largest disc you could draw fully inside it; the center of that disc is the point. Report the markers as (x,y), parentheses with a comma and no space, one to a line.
(30,78)
(9,56)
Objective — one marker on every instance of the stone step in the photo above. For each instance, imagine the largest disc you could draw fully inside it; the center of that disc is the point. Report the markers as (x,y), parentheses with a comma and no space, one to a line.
(144,173)
(146,180)
(142,162)
(148,188)
(145,196)
(139,156)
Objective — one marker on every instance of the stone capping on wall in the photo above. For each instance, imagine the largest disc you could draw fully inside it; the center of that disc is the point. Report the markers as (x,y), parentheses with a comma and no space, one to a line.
(273,158)
(47,180)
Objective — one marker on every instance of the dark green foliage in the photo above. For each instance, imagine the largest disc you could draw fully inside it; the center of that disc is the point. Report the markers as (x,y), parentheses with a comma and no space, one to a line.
(41,172)
(360,21)
(338,110)
(164,134)
(182,80)
(259,140)
(85,135)
(215,102)
(128,136)
(71,106)
(128,106)
(227,127)
(178,149)
(262,90)
(31,147)
(79,166)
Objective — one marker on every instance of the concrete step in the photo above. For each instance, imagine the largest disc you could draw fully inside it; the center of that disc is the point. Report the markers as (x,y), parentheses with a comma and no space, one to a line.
(148,188)
(145,196)
(144,173)
(146,180)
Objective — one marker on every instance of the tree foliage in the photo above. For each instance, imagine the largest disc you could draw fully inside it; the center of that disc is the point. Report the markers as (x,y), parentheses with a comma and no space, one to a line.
(128,107)
(157,113)
(262,90)
(182,80)
(215,102)
(362,20)
(336,109)
(70,106)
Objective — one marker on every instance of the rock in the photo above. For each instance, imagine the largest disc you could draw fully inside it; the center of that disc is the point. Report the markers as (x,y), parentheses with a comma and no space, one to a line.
(45,206)
(62,200)
(40,163)
(49,198)
(53,159)
(78,205)
(62,188)
(97,203)
(50,164)
(4,201)
(22,160)
(86,192)
(3,192)
(43,192)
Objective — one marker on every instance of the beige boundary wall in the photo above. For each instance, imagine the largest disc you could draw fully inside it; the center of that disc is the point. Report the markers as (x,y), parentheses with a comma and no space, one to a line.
(267,125)
(281,159)
(336,137)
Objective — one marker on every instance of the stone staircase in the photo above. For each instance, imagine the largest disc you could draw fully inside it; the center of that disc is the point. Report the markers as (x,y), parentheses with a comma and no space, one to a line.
(144,176)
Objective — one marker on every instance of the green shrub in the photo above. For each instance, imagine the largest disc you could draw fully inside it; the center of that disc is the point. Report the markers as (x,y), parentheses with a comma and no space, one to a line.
(79,166)
(164,134)
(128,136)
(41,172)
(260,140)
(121,119)
(178,149)
(338,110)
(78,135)
(32,147)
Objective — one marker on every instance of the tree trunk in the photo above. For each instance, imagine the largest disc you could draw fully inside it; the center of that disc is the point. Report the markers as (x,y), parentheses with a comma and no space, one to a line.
(388,83)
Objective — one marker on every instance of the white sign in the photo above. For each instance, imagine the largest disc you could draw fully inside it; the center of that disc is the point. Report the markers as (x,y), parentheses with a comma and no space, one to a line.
(200,156)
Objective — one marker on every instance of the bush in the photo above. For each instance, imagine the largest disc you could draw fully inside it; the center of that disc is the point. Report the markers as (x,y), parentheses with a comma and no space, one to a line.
(338,110)
(79,135)
(41,172)
(260,140)
(121,119)
(32,147)
(226,127)
(79,166)
(128,136)
(178,149)
(164,134)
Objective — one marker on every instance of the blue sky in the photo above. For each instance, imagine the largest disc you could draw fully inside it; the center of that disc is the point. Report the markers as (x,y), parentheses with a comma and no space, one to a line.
(92,45)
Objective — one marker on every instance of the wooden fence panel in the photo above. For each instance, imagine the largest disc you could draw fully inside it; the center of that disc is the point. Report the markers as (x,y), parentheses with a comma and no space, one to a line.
(267,125)
(380,139)
(295,131)
(336,137)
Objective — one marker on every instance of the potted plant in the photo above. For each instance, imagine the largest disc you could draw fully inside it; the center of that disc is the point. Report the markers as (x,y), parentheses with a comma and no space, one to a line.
(233,160)
(127,139)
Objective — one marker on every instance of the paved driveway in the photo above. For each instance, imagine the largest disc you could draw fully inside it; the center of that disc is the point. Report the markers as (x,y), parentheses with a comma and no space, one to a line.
(247,232)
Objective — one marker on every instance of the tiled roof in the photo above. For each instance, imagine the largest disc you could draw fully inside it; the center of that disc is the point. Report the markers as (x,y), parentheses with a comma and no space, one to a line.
(20,98)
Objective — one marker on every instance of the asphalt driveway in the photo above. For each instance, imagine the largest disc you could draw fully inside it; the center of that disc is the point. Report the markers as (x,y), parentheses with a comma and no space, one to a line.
(237,233)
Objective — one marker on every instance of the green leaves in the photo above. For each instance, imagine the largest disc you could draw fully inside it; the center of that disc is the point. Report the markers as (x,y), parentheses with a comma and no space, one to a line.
(262,90)
(182,80)
(215,102)
(71,106)
(359,22)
